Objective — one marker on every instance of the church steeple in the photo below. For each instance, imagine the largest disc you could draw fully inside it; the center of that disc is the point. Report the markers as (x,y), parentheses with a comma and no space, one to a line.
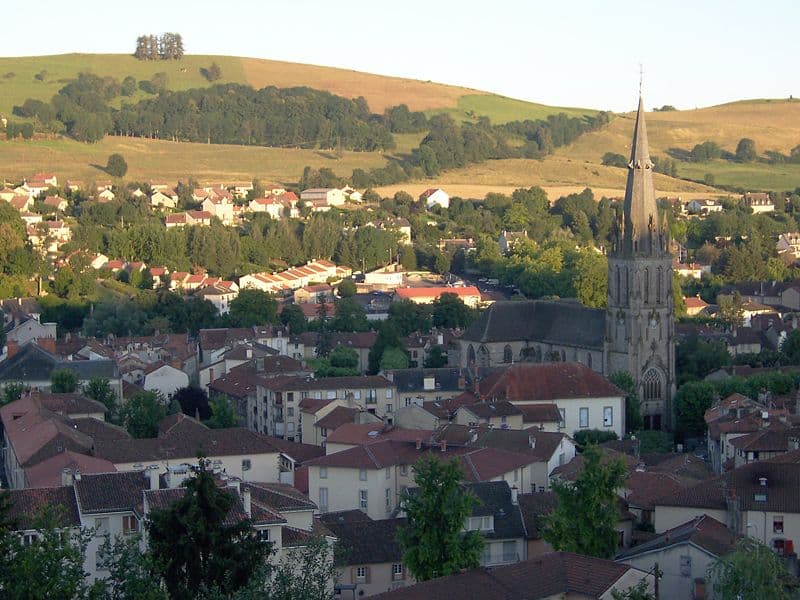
(643,233)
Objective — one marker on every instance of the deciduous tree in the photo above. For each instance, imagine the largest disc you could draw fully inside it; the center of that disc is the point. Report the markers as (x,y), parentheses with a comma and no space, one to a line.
(434,541)
(584,521)
(752,572)
(141,414)
(63,381)
(223,414)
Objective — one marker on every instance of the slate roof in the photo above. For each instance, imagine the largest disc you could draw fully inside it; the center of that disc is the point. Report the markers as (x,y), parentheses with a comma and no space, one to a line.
(412,380)
(534,509)
(546,576)
(540,413)
(367,541)
(25,505)
(69,404)
(279,497)
(565,323)
(299,452)
(33,363)
(779,494)
(549,381)
(494,498)
(111,492)
(489,410)
(703,531)
(370,433)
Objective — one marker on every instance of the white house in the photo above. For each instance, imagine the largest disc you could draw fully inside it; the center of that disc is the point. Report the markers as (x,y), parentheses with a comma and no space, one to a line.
(435,197)
(163,378)
(332,196)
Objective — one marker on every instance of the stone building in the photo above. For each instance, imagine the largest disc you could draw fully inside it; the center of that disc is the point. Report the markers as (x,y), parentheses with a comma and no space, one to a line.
(635,333)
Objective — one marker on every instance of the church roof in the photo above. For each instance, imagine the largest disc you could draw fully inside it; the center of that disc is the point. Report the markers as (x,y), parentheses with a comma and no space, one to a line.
(553,322)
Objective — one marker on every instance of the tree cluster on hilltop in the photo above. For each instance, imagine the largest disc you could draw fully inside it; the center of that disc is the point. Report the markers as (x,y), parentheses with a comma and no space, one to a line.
(167,46)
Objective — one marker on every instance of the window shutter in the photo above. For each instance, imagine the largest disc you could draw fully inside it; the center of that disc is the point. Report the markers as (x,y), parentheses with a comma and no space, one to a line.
(366,578)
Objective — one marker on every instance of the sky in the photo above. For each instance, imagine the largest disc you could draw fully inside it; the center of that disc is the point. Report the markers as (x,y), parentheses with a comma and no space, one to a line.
(564,53)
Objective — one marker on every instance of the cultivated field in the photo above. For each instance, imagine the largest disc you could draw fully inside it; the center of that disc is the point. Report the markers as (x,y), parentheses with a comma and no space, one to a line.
(170,161)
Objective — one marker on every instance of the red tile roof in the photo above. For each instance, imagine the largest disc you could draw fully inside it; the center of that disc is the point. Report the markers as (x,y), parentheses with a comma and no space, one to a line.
(550,381)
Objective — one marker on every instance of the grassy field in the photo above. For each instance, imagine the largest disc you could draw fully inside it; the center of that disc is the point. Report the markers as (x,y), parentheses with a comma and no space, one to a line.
(772,124)
(502,110)
(558,175)
(170,161)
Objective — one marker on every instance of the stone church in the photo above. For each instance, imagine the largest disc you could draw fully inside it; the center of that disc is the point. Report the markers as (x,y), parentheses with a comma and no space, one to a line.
(635,333)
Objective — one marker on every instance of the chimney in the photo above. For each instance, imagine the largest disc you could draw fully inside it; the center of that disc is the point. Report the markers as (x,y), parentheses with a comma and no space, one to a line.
(532,441)
(462,382)
(249,353)
(419,444)
(12,347)
(246,502)
(77,475)
(151,473)
(66,477)
(439,339)
(514,497)
(443,445)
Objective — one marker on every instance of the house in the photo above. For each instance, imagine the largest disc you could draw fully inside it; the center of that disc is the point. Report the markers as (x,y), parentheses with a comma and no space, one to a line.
(373,477)
(546,577)
(695,305)
(32,366)
(330,196)
(221,297)
(703,207)
(271,205)
(469,295)
(757,499)
(417,386)
(105,196)
(509,239)
(160,199)
(351,434)
(759,202)
(334,417)
(789,244)
(692,269)
(314,294)
(435,197)
(683,555)
(279,399)
(584,398)
(370,557)
(56,202)
(544,417)
(164,379)
(220,207)
(502,414)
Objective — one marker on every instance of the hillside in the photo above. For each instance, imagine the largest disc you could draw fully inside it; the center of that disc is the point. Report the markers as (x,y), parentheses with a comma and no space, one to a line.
(772,124)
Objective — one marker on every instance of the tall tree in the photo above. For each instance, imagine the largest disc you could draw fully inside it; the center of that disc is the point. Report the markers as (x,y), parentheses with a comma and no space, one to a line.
(253,307)
(99,389)
(195,547)
(587,512)
(434,541)
(746,150)
(141,414)
(450,311)
(752,572)
(223,414)
(633,412)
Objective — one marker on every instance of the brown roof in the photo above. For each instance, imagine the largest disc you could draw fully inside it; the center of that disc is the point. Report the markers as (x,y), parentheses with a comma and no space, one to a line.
(25,505)
(540,413)
(703,531)
(110,492)
(370,433)
(646,487)
(184,441)
(550,381)
(299,452)
(48,473)
(547,576)
(279,497)
(489,410)
(573,468)
(312,405)
(337,417)
(535,508)
(68,404)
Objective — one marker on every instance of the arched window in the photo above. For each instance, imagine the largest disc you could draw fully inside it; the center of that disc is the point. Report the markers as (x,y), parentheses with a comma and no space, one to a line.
(589,359)
(651,386)
(619,286)
(508,354)
(563,356)
(646,285)
(471,355)
(483,357)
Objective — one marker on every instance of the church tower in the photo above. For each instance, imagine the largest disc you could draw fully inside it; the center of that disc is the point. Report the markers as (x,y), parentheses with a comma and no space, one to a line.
(640,326)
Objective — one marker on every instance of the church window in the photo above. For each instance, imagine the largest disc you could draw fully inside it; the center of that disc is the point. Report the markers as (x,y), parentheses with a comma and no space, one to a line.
(471,355)
(658,284)
(483,357)
(619,286)
(651,384)
(646,285)
(508,354)
(589,359)
(563,356)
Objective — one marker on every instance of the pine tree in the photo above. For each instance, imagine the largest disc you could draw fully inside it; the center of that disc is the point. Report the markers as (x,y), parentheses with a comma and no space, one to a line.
(178,46)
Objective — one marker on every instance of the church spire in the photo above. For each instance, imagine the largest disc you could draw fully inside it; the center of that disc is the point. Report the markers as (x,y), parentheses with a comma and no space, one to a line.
(643,233)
